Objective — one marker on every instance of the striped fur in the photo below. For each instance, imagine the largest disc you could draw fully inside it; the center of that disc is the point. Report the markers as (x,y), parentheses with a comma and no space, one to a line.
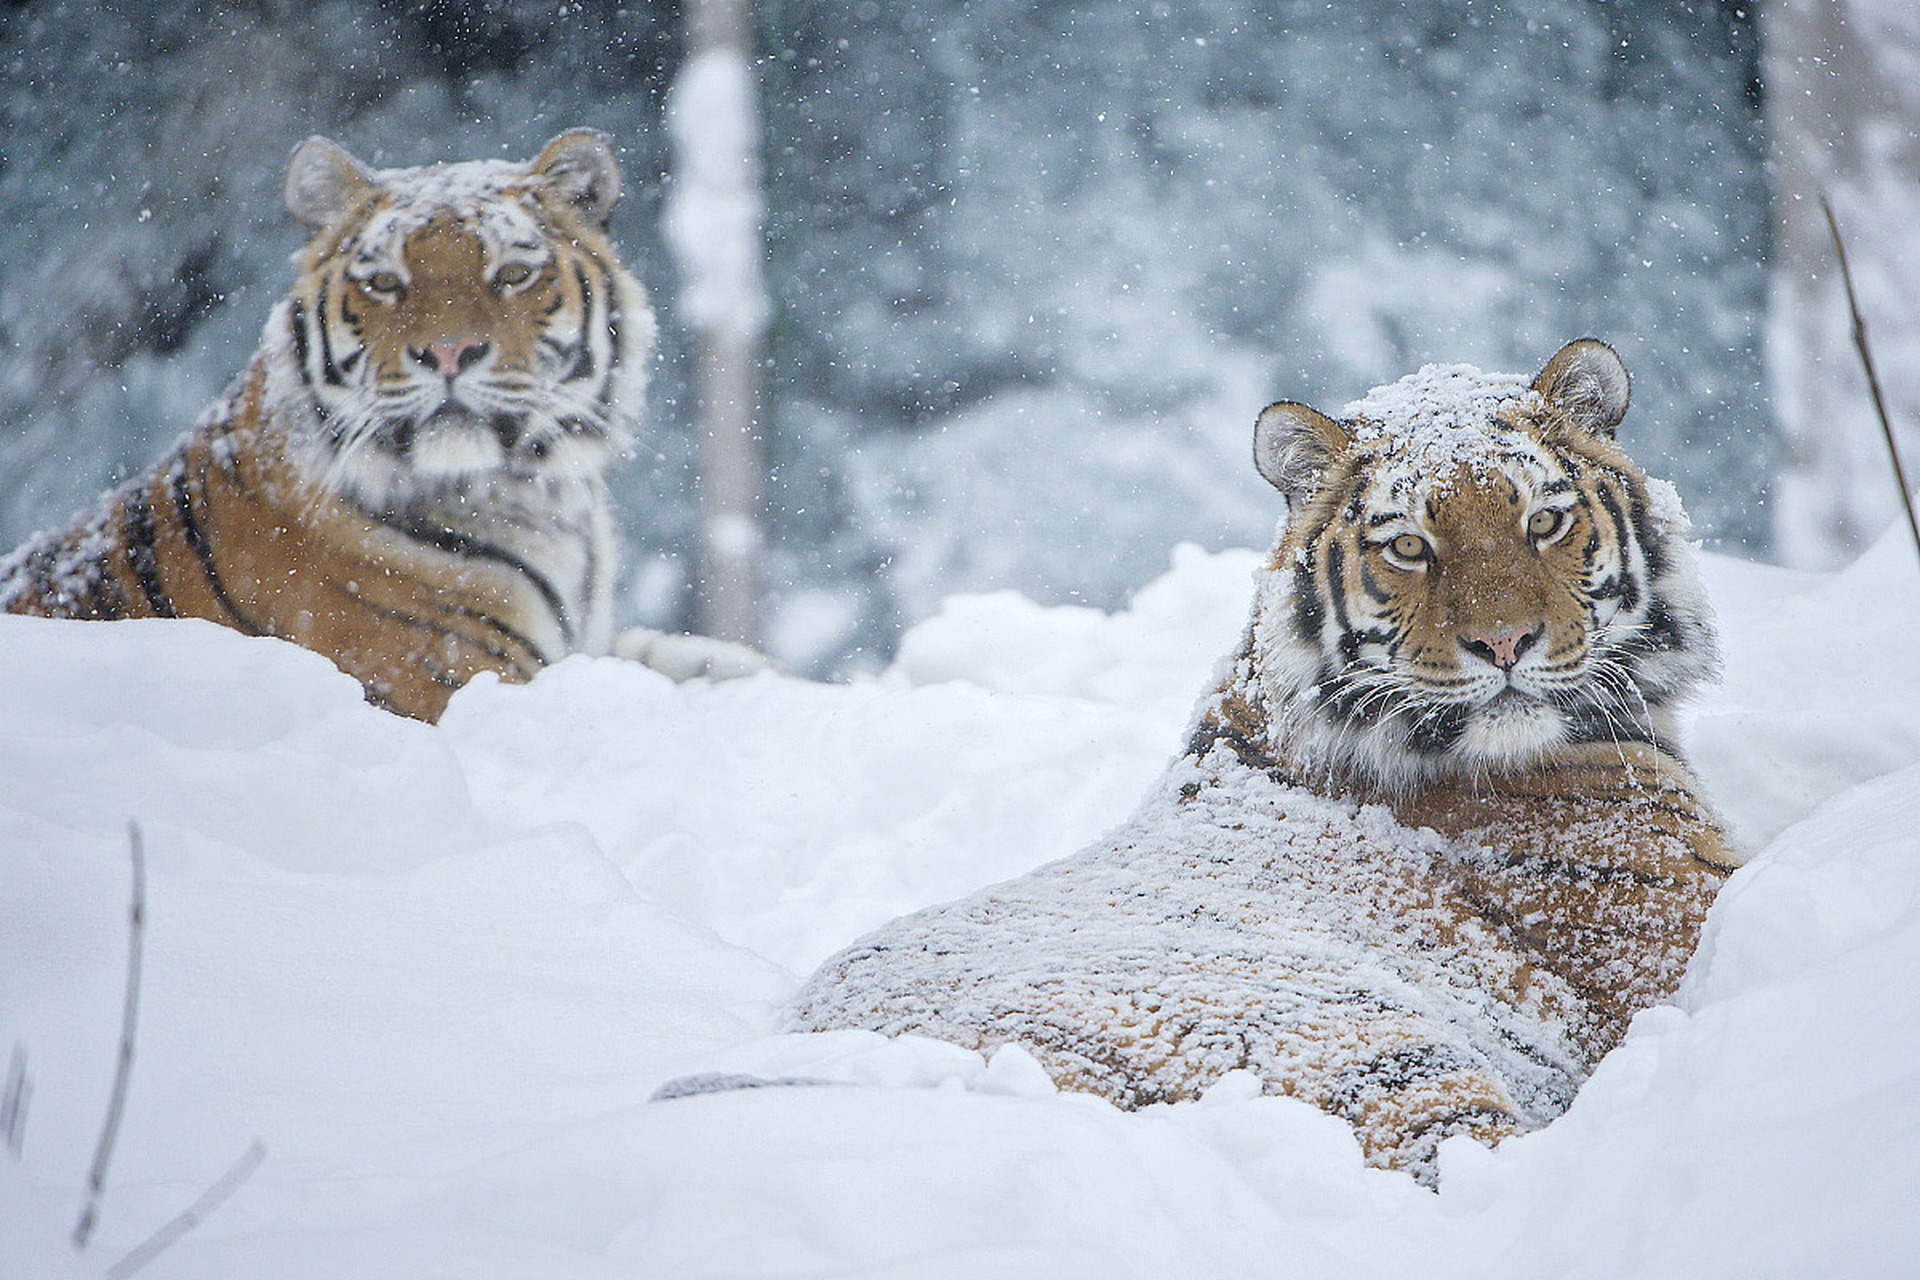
(1381,668)
(409,477)
(1410,868)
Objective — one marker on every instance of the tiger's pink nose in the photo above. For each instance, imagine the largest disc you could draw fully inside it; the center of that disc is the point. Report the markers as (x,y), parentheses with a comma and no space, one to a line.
(450,358)
(1505,649)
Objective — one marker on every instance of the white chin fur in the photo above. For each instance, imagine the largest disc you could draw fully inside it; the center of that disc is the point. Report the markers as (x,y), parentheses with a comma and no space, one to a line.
(1510,732)
(447,454)
(445,458)
(1374,756)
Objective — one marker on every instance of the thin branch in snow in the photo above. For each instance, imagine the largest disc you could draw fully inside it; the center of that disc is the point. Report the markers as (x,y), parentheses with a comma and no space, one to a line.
(13,1102)
(1873,378)
(117,1102)
(193,1215)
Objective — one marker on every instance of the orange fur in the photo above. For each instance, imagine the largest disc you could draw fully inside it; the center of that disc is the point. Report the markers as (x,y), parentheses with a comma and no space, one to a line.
(408,478)
(411,624)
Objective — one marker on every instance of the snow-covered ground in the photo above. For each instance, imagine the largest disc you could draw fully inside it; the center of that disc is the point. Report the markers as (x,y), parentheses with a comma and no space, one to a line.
(440,971)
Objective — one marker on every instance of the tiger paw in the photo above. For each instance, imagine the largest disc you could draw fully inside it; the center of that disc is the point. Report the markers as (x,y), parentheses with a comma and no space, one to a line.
(688,657)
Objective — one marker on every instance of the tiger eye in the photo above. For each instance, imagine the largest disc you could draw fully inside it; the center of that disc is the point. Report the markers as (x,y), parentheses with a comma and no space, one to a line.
(1545,522)
(384,282)
(514,273)
(1409,546)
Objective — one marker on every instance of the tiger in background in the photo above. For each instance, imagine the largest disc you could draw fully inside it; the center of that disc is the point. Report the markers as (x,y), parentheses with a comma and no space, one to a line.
(410,475)
(1431,844)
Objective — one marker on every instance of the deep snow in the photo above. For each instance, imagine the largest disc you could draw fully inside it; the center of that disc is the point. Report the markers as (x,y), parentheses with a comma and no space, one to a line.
(440,971)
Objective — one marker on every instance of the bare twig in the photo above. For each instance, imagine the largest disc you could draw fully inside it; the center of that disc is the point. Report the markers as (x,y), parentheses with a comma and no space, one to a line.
(13,1102)
(1873,378)
(117,1102)
(191,1216)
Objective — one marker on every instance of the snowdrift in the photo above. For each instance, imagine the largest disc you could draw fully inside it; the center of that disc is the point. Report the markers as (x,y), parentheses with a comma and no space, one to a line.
(441,971)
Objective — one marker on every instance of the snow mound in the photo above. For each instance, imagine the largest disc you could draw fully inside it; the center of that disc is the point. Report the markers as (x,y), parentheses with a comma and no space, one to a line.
(440,971)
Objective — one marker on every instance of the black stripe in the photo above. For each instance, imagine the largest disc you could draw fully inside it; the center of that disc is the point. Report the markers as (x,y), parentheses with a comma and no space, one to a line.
(40,571)
(1439,729)
(1588,723)
(1209,734)
(197,539)
(1660,630)
(1371,585)
(141,557)
(1612,505)
(459,544)
(614,319)
(1573,871)
(583,354)
(1398,1068)
(297,324)
(104,598)
(1336,568)
(1453,1119)
(491,650)
(1338,694)
(1629,589)
(329,371)
(1356,501)
(1650,544)
(1615,586)
(1308,614)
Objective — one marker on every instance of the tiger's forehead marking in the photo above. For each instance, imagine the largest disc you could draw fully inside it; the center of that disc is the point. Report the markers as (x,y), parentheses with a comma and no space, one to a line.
(1447,422)
(466,188)
(477,194)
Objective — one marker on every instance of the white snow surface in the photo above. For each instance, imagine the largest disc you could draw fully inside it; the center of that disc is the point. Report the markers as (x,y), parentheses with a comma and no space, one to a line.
(440,971)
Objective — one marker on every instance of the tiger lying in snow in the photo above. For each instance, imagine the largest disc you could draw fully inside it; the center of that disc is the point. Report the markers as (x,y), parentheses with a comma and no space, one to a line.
(1431,844)
(410,476)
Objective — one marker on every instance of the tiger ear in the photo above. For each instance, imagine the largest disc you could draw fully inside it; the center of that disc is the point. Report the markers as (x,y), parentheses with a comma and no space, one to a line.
(323,179)
(1292,445)
(579,167)
(1588,382)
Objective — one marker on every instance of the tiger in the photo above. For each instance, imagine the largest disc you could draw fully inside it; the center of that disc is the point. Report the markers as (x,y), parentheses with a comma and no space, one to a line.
(1431,842)
(409,477)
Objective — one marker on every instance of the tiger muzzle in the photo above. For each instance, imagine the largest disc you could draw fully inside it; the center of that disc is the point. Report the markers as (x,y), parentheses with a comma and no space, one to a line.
(1505,649)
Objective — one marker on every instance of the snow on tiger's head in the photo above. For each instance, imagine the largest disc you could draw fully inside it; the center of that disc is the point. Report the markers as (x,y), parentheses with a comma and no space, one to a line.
(1471,575)
(457,322)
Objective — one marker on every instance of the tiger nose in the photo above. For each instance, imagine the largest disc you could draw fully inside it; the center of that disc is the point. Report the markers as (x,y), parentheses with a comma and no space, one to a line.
(1503,650)
(450,358)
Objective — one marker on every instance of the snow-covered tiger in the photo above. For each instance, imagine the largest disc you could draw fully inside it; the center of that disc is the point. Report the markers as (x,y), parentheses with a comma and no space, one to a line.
(1432,843)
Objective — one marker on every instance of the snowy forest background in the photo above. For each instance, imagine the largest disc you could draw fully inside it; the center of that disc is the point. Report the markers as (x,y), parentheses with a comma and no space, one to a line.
(1035,265)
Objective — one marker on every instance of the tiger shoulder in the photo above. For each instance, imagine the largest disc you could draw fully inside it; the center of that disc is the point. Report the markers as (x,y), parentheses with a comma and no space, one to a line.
(410,476)
(1432,841)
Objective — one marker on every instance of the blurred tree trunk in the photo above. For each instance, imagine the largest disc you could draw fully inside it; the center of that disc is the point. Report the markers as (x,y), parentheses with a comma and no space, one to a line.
(714,216)
(1844,111)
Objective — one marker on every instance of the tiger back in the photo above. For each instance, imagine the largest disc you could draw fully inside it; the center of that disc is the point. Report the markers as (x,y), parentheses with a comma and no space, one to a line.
(1431,843)
(409,477)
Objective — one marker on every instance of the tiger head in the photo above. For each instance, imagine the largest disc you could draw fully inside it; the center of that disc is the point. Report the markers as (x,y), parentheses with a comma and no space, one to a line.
(1471,575)
(459,323)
